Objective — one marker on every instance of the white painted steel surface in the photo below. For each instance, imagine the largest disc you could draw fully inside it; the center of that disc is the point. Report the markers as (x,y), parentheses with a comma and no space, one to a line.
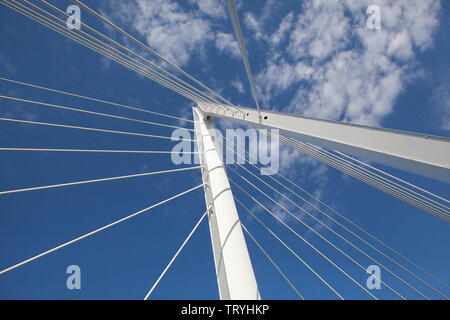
(235,276)
(417,153)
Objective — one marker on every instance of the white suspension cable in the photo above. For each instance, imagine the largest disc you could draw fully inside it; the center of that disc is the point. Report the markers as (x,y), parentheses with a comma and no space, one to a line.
(92,112)
(304,240)
(392,176)
(354,246)
(240,40)
(138,67)
(112,25)
(325,155)
(94,129)
(130,51)
(175,256)
(346,219)
(403,193)
(272,262)
(418,278)
(289,248)
(118,56)
(350,222)
(397,186)
(100,151)
(96,100)
(373,181)
(361,230)
(392,190)
(391,249)
(53,18)
(98,180)
(338,235)
(394,193)
(368,177)
(98,230)
(333,231)
(320,236)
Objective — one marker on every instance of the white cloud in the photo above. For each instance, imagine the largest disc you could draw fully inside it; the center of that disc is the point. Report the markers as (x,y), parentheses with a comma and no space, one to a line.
(186,112)
(168,29)
(401,46)
(353,87)
(238,85)
(255,25)
(334,67)
(443,99)
(340,69)
(282,30)
(320,30)
(105,63)
(226,43)
(6,66)
(176,32)
(279,75)
(310,169)
(17,110)
(214,8)
(440,99)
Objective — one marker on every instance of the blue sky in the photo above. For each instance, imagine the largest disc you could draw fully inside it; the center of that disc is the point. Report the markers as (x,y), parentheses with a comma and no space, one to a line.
(310,58)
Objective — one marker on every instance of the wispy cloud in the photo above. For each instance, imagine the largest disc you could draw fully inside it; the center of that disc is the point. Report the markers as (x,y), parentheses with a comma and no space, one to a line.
(214,8)
(176,31)
(238,85)
(255,25)
(6,66)
(282,30)
(226,43)
(17,110)
(440,99)
(340,69)
(173,32)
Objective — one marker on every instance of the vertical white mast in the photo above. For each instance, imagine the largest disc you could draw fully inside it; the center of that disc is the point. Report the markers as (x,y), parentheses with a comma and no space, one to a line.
(234,270)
